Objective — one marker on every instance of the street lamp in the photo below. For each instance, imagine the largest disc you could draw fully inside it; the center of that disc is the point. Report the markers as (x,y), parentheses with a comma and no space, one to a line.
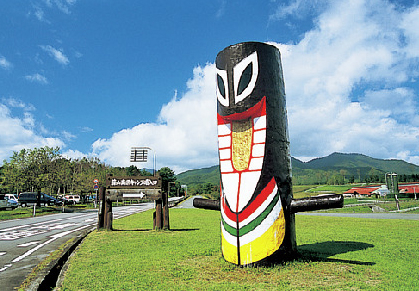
(186,187)
(140,154)
(393,186)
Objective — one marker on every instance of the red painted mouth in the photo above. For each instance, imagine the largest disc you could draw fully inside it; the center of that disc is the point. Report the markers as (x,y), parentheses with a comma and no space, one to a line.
(239,182)
(256,111)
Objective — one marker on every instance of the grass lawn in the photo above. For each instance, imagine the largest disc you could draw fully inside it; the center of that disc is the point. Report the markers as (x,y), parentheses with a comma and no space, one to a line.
(334,254)
(24,212)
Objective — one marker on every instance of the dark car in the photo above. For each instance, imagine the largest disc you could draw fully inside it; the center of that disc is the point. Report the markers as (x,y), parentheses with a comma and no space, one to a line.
(30,198)
(65,201)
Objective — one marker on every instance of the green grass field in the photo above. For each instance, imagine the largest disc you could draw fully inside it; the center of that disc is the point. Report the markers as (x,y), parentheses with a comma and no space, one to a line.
(334,254)
(24,212)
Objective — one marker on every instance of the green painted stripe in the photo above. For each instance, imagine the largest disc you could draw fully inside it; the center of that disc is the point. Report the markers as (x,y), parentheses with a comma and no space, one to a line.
(258,220)
(231,230)
(254,223)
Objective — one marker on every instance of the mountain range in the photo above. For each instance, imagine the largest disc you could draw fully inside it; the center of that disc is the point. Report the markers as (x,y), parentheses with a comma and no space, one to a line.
(353,165)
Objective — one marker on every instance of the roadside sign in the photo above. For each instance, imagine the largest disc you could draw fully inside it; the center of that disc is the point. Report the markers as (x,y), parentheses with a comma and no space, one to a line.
(138,155)
(95,181)
(96,187)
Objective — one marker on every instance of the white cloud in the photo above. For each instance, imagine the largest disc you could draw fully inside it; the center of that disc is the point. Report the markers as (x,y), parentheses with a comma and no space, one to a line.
(5,64)
(86,129)
(297,8)
(222,9)
(355,45)
(40,14)
(38,78)
(67,135)
(18,133)
(62,5)
(73,154)
(185,135)
(56,54)
(349,85)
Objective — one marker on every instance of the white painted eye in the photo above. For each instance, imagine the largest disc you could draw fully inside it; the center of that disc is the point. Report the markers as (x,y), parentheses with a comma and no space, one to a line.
(245,74)
(222,87)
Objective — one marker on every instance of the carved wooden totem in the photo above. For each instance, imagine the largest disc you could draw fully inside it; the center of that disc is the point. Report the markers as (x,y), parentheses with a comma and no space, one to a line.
(255,163)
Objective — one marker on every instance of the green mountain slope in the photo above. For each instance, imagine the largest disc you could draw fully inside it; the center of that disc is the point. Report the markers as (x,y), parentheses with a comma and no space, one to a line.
(318,170)
(200,176)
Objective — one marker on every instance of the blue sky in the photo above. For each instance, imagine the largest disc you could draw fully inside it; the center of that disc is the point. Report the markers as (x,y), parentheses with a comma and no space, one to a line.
(99,77)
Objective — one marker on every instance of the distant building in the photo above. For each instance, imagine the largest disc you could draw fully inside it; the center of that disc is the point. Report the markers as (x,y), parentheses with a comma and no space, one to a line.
(406,190)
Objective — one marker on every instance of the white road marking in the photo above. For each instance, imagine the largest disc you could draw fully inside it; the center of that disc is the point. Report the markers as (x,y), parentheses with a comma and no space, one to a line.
(29,244)
(5,267)
(13,228)
(61,226)
(78,216)
(13,233)
(53,237)
(19,234)
(47,222)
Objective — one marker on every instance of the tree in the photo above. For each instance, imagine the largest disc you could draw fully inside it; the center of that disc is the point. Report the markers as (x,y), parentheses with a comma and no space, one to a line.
(168,176)
(30,169)
(132,171)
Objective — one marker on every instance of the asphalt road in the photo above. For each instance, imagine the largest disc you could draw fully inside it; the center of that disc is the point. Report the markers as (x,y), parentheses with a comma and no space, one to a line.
(188,203)
(24,243)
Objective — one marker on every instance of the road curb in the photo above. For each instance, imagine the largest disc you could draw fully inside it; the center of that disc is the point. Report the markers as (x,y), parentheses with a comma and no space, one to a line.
(48,277)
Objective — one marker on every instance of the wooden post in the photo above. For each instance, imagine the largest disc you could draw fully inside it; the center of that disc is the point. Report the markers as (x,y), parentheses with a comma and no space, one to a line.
(101,213)
(159,217)
(108,217)
(165,200)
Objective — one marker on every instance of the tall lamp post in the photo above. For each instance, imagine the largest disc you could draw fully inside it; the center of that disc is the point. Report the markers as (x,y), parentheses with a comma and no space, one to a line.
(393,186)
(186,189)
(140,154)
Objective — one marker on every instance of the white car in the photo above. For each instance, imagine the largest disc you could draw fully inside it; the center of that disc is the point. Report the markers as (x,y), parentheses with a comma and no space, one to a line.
(11,197)
(7,203)
(74,198)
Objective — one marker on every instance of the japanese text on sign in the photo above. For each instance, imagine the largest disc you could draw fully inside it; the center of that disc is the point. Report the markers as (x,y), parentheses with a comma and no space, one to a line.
(133,182)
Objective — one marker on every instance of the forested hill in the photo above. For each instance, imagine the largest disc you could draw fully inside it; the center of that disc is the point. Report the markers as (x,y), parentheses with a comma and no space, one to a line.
(336,168)
(357,161)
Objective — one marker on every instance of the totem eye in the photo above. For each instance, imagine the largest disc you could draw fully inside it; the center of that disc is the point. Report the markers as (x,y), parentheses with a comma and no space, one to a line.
(245,75)
(245,79)
(222,91)
(221,87)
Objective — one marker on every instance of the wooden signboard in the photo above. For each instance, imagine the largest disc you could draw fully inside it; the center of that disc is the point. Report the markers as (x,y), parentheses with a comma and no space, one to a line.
(140,187)
(133,187)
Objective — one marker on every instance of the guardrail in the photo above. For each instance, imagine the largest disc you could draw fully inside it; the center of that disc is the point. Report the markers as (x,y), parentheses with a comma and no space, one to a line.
(173,201)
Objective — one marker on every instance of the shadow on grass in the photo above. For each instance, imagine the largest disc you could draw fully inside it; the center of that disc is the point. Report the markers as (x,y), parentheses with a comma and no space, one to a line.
(184,229)
(175,230)
(321,252)
(146,229)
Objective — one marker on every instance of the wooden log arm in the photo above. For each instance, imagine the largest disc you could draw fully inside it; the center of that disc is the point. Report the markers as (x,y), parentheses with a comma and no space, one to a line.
(297,205)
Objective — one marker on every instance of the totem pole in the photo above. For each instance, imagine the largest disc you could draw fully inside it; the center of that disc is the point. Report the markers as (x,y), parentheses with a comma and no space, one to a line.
(255,161)
(257,215)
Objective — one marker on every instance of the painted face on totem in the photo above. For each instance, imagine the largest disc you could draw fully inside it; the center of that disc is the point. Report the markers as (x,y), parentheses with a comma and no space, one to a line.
(253,151)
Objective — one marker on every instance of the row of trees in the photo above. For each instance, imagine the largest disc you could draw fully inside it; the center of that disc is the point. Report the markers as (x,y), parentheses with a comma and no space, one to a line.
(208,189)
(47,170)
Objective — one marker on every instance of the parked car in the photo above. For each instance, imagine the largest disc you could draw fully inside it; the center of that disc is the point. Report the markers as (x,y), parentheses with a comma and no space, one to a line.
(65,201)
(30,198)
(11,197)
(7,203)
(13,203)
(74,198)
